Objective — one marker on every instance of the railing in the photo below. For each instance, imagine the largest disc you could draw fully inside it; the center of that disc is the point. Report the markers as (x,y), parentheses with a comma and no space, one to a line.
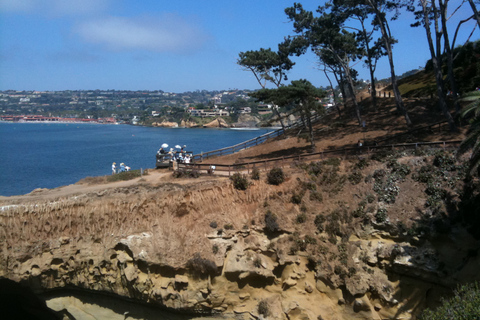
(250,143)
(283,161)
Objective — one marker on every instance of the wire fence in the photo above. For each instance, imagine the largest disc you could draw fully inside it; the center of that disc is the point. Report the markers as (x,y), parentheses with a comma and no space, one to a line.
(345,153)
(252,142)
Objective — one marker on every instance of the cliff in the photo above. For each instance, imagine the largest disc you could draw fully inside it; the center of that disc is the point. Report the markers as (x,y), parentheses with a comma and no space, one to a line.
(361,239)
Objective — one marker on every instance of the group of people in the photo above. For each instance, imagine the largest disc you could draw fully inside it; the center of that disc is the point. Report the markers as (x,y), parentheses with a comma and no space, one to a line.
(180,156)
(121,168)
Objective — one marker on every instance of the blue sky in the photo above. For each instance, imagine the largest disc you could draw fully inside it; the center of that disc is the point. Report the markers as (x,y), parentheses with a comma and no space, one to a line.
(175,46)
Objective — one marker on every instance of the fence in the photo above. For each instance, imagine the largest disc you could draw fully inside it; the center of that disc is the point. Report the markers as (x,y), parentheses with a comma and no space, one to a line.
(251,142)
(283,161)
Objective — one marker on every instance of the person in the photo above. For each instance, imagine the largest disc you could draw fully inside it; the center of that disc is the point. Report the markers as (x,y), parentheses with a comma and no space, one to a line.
(360,143)
(114,168)
(122,167)
(161,151)
(127,168)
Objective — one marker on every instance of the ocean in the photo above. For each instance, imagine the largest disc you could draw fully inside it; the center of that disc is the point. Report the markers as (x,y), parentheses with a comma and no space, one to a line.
(50,155)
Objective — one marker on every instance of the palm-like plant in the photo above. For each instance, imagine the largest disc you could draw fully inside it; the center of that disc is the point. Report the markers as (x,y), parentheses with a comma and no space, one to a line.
(472,140)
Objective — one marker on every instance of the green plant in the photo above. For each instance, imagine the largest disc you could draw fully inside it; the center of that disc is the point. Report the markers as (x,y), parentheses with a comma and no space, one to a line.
(213,224)
(228,226)
(319,221)
(361,164)
(296,197)
(275,176)
(301,218)
(215,249)
(201,266)
(271,224)
(465,304)
(355,177)
(184,173)
(316,196)
(240,181)
(381,215)
(255,174)
(124,176)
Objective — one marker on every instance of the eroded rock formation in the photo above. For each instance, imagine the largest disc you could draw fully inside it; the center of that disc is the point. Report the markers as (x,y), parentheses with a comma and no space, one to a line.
(202,246)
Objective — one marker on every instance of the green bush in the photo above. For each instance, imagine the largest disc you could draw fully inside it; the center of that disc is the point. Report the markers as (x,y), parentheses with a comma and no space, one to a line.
(228,226)
(255,174)
(319,221)
(465,304)
(201,267)
(271,224)
(186,173)
(213,224)
(275,176)
(240,181)
(296,198)
(124,176)
(355,177)
(381,215)
(316,196)
(301,218)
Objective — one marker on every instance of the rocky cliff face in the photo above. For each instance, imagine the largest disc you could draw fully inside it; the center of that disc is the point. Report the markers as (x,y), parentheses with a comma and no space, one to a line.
(315,247)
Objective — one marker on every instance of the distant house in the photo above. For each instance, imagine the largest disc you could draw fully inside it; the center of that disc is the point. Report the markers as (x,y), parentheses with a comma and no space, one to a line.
(265,108)
(205,113)
(244,110)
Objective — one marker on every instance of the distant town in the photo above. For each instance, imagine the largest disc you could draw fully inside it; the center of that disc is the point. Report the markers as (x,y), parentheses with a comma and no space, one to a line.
(120,106)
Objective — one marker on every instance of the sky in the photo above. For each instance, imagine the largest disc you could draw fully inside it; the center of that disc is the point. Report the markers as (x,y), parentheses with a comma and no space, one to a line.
(174,46)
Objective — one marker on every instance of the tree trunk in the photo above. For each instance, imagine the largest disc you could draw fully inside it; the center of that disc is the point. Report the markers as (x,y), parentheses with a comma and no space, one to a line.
(333,93)
(475,12)
(436,65)
(449,54)
(382,23)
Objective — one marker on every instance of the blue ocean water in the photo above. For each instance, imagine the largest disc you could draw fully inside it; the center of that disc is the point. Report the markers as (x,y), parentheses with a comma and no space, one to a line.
(41,155)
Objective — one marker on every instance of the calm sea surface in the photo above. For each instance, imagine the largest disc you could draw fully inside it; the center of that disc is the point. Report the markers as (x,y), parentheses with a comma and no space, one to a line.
(40,155)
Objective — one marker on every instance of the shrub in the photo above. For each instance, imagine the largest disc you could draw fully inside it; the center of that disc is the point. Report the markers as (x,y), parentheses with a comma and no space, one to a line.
(213,224)
(355,178)
(319,221)
(399,171)
(271,222)
(310,240)
(315,168)
(361,164)
(465,304)
(124,176)
(201,266)
(184,173)
(275,176)
(228,226)
(301,218)
(381,215)
(296,198)
(332,162)
(316,196)
(215,249)
(255,174)
(240,181)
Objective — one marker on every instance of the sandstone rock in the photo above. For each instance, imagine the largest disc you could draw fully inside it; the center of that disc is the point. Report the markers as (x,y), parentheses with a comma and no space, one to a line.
(308,287)
(165,124)
(130,272)
(360,305)
(217,123)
